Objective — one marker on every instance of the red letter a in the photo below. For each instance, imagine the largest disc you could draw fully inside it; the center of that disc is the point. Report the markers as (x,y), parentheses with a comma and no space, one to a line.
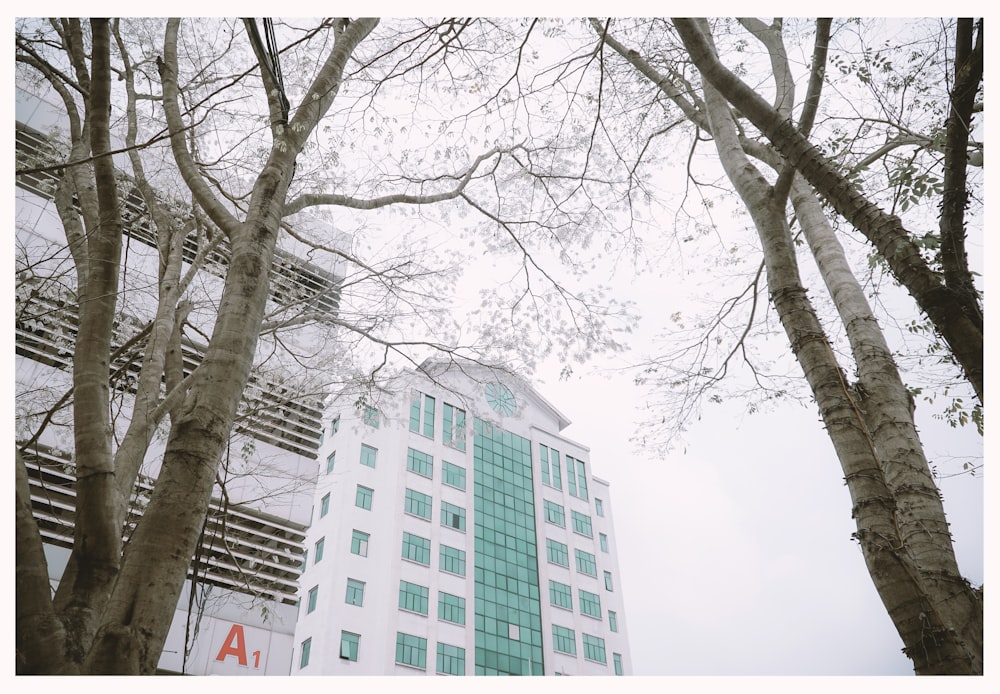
(234,645)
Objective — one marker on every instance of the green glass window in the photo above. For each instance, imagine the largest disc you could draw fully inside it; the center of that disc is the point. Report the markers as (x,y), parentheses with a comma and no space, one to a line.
(607,581)
(451,608)
(593,648)
(318,555)
(452,516)
(335,425)
(599,506)
(363,498)
(359,543)
(560,595)
(556,471)
(571,475)
(355,592)
(618,664)
(305,560)
(452,560)
(581,480)
(453,475)
(586,563)
(590,604)
(417,504)
(613,621)
(411,650)
(422,414)
(349,645)
(557,552)
(450,659)
(420,463)
(304,653)
(324,505)
(313,597)
(330,459)
(563,640)
(454,427)
(544,458)
(368,455)
(581,524)
(413,598)
(554,513)
(370,416)
(416,549)
(604,542)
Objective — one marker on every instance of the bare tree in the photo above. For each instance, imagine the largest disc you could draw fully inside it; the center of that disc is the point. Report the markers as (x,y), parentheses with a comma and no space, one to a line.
(901,523)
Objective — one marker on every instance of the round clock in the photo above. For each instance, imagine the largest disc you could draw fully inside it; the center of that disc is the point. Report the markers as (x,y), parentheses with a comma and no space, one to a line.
(499,397)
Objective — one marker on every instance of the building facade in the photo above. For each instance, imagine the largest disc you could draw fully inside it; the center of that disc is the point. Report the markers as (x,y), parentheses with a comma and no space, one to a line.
(456,531)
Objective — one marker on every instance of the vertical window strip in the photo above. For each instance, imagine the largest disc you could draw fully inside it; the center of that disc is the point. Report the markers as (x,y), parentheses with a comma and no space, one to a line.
(604,542)
(556,471)
(582,480)
(571,475)
(613,621)
(324,505)
(304,652)
(618,664)
(318,556)
(544,457)
(330,459)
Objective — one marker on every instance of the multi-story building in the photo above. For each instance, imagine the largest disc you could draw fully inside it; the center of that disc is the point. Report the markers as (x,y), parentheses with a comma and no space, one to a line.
(238,608)
(456,531)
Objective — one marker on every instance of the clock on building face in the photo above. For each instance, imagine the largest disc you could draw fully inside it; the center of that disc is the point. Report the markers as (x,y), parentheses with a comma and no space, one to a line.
(499,397)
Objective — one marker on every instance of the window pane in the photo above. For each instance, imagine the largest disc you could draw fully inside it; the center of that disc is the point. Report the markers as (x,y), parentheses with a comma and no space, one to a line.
(452,560)
(590,604)
(450,659)
(318,555)
(349,645)
(563,640)
(330,459)
(355,592)
(554,513)
(613,620)
(607,581)
(371,417)
(586,563)
(363,498)
(368,455)
(618,664)
(359,543)
(420,463)
(599,506)
(452,516)
(304,653)
(581,524)
(604,542)
(593,648)
(453,475)
(560,595)
(324,505)
(412,597)
(411,650)
(313,596)
(417,504)
(451,608)
(416,549)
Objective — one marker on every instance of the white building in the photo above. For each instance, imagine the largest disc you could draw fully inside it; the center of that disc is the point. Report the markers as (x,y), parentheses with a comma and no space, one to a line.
(455,531)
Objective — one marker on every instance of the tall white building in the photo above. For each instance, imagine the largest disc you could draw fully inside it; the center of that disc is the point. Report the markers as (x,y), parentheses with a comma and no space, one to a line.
(455,531)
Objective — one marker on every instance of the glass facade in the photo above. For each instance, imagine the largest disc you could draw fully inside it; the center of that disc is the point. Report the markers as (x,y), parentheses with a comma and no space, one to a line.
(508,608)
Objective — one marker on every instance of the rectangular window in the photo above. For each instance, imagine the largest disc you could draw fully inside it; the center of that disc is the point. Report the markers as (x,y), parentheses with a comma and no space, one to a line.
(313,596)
(329,462)
(417,549)
(304,653)
(318,555)
(586,563)
(581,480)
(453,475)
(355,592)
(420,463)
(613,621)
(554,513)
(581,524)
(454,427)
(557,552)
(556,471)
(335,425)
(324,505)
(607,581)
(560,595)
(363,498)
(452,516)
(368,455)
(349,646)
(563,640)
(452,560)
(370,417)
(590,604)
(359,543)
(413,598)
(604,542)
(417,504)
(422,414)
(571,475)
(451,608)
(618,664)
(593,648)
(411,650)
(450,659)
(544,457)
(599,506)
(305,560)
